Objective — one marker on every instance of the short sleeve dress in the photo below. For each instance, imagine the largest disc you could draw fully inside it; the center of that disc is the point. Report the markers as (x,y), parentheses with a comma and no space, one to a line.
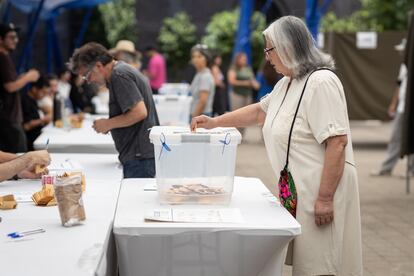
(333,249)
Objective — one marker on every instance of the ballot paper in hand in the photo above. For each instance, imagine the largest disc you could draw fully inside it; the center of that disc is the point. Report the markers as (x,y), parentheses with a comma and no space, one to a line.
(228,215)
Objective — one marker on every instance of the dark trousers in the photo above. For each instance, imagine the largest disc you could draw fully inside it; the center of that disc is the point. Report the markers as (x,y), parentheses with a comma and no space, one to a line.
(139,168)
(12,137)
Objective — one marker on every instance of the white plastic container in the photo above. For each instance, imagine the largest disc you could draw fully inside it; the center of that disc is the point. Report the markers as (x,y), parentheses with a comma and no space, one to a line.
(173,109)
(174,89)
(195,168)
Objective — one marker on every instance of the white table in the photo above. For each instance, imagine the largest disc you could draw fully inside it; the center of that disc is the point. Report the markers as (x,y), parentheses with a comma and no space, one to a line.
(82,140)
(87,249)
(255,247)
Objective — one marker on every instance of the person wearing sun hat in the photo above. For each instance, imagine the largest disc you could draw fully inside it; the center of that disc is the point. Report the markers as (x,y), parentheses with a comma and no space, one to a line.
(12,136)
(125,50)
(396,112)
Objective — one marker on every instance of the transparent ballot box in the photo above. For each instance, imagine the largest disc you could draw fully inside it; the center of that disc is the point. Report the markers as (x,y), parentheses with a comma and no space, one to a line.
(174,89)
(173,109)
(195,168)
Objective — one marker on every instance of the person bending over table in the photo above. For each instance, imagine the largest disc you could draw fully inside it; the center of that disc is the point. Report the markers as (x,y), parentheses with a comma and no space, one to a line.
(131,107)
(13,166)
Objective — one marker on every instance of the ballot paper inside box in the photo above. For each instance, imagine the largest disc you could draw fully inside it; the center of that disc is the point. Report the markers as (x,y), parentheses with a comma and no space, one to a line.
(195,168)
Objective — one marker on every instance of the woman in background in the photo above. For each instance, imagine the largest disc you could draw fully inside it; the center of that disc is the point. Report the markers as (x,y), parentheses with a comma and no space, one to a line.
(242,80)
(220,97)
(202,87)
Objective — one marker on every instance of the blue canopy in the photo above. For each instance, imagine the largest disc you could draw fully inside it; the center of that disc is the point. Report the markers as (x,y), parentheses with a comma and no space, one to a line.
(48,10)
(51,8)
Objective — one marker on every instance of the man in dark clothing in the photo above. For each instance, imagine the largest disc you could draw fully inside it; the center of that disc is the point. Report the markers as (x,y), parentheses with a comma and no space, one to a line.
(131,107)
(32,121)
(12,136)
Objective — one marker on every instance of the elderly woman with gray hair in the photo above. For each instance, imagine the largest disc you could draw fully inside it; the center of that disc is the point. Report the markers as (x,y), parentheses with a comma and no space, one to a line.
(307,137)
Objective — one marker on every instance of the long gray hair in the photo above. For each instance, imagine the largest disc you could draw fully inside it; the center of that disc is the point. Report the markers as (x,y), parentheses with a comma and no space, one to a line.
(295,46)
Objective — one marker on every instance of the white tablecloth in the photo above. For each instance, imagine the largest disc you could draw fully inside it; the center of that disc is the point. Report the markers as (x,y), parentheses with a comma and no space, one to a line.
(255,247)
(82,140)
(87,249)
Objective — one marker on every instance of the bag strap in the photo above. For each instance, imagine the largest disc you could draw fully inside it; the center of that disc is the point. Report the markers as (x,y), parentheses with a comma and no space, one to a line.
(297,109)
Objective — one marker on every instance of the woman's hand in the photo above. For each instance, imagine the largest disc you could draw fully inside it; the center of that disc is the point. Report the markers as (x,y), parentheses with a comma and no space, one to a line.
(324,211)
(202,121)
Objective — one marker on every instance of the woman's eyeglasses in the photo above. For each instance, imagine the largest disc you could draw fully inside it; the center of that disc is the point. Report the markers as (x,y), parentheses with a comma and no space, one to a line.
(267,50)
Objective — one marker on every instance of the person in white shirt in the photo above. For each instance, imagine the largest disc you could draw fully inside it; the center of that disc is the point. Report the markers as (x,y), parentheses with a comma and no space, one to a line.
(64,86)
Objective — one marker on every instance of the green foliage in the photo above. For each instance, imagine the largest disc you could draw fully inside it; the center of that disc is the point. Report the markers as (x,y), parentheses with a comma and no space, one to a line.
(119,20)
(177,36)
(221,33)
(374,15)
(94,31)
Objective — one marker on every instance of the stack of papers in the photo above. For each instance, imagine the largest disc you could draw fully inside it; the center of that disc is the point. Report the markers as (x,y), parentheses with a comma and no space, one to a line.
(227,215)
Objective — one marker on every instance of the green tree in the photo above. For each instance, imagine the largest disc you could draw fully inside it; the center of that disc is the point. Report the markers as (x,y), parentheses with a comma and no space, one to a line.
(374,15)
(177,36)
(221,33)
(119,20)
(94,31)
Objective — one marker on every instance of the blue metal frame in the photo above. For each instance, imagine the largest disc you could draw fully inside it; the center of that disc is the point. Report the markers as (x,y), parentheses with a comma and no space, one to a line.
(242,43)
(25,57)
(7,12)
(314,14)
(84,27)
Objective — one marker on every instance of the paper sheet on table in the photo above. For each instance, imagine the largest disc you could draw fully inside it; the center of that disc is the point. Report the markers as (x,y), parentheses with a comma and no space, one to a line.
(228,215)
(66,165)
(150,187)
(25,196)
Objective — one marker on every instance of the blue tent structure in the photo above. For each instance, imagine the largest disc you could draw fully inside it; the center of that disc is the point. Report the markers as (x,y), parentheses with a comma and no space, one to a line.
(48,11)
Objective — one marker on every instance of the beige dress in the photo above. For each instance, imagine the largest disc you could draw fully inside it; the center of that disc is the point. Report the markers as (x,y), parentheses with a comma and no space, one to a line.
(333,249)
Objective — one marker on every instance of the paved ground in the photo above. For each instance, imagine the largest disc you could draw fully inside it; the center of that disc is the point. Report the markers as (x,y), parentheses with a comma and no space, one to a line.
(387,212)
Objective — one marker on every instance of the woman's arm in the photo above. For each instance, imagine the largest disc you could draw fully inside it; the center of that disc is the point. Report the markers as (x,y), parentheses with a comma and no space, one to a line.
(231,76)
(202,101)
(245,116)
(333,169)
(34,123)
(217,76)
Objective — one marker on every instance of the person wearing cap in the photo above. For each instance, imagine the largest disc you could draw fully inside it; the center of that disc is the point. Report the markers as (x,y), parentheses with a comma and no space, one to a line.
(131,107)
(203,86)
(156,71)
(396,112)
(125,51)
(12,136)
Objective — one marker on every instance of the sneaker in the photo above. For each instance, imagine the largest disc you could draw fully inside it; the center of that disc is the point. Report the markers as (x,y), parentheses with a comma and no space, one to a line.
(380,173)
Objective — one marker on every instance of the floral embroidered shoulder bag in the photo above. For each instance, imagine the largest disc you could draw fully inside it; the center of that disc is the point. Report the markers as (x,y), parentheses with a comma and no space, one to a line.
(287,191)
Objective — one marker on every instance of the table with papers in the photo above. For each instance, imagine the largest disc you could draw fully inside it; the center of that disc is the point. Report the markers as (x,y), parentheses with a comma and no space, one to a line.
(81,140)
(87,249)
(247,237)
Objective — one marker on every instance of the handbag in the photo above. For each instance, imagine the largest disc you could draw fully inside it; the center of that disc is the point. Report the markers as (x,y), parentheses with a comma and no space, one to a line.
(288,195)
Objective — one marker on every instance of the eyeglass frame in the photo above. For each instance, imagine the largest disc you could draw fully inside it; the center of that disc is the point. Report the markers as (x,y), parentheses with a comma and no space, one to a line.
(88,74)
(267,50)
